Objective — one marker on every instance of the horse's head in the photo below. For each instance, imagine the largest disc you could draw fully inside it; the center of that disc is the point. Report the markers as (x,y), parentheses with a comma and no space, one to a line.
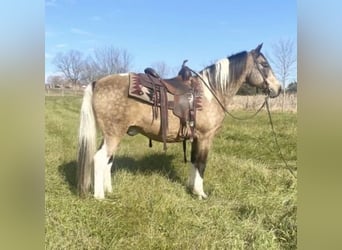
(261,74)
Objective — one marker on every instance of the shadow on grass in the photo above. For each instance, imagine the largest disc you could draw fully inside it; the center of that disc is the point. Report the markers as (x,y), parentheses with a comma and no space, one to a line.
(155,163)
(68,172)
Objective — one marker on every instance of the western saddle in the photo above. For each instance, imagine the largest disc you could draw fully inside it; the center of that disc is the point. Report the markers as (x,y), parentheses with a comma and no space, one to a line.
(181,94)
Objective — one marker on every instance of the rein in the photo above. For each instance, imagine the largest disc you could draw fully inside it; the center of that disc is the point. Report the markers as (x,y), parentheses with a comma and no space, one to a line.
(276,141)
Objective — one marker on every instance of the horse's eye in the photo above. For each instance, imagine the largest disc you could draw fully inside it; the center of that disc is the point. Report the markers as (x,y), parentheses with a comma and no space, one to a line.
(265,64)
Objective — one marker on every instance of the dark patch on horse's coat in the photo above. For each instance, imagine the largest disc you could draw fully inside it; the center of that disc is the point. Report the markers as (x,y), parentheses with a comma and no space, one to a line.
(237,65)
(199,156)
(93,84)
(111,159)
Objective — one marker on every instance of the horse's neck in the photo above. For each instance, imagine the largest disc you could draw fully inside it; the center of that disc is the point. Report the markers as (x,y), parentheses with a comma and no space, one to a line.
(225,96)
(234,88)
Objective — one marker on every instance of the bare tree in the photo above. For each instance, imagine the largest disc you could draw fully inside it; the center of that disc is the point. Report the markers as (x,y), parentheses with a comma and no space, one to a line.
(110,60)
(161,68)
(91,71)
(284,59)
(56,81)
(70,64)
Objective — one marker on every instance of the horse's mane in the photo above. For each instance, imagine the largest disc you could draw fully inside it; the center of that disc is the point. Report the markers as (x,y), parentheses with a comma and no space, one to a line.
(225,71)
(237,65)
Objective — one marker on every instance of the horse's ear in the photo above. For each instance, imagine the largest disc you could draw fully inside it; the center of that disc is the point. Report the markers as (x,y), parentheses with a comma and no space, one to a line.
(258,49)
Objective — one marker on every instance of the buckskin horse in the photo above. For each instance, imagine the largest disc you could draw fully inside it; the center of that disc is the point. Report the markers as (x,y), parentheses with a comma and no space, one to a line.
(107,105)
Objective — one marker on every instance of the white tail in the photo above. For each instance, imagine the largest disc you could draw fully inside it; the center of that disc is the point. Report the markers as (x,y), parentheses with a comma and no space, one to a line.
(86,143)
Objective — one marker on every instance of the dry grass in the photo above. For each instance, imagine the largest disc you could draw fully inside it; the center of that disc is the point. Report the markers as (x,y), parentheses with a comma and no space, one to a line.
(254,102)
(63,92)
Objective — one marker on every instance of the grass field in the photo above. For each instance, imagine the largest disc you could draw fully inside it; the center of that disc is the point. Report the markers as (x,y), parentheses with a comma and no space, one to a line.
(252,198)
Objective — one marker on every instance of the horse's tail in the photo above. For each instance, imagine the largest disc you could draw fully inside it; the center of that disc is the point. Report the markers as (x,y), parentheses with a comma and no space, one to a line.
(86,142)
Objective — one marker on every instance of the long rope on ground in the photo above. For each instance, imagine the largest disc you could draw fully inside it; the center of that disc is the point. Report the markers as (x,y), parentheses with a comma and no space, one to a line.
(276,140)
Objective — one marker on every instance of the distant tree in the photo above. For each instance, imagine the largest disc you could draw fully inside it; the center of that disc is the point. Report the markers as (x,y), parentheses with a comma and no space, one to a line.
(292,88)
(246,89)
(56,81)
(70,64)
(283,59)
(91,71)
(110,60)
(104,61)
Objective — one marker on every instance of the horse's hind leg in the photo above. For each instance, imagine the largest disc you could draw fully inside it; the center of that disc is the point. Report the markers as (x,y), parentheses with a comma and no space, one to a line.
(103,160)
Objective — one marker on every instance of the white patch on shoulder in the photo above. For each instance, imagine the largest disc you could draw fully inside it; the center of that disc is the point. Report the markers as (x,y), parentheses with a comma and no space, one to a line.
(123,74)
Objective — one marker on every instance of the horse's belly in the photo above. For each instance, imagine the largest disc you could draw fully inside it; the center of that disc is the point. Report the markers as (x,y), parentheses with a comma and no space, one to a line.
(152,129)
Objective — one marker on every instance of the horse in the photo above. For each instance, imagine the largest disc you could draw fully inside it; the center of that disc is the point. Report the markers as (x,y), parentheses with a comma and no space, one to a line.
(106,106)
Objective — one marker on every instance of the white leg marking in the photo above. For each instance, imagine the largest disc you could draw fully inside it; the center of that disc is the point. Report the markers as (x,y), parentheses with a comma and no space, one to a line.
(108,178)
(196,182)
(100,167)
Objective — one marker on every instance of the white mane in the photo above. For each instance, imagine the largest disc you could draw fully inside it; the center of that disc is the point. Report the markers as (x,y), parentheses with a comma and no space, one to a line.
(218,75)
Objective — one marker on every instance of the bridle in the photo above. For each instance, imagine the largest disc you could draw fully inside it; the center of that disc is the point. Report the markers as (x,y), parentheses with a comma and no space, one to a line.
(265,87)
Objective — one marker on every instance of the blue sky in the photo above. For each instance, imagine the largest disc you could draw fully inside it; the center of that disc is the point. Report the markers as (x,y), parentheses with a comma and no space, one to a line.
(169,31)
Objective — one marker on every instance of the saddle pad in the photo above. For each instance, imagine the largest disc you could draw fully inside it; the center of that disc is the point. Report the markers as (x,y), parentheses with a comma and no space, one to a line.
(138,91)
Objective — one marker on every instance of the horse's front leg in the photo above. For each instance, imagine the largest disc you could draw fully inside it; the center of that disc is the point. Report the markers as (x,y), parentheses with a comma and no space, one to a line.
(199,155)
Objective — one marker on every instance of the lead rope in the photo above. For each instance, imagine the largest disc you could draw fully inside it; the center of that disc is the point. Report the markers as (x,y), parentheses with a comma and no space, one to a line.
(276,140)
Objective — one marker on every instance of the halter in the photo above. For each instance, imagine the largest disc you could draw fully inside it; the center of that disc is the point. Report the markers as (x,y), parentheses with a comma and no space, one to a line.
(265,87)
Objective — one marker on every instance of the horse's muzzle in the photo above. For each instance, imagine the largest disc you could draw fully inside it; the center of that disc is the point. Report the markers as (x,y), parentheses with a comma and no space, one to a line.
(274,92)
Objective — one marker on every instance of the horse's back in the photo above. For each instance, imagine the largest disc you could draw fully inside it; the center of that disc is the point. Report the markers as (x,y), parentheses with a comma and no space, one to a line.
(111,82)
(110,89)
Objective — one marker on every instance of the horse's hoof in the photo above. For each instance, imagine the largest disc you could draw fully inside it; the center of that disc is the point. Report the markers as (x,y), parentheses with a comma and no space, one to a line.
(99,197)
(202,196)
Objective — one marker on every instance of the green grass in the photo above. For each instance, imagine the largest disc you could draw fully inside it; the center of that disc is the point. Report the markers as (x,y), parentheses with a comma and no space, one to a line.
(252,198)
